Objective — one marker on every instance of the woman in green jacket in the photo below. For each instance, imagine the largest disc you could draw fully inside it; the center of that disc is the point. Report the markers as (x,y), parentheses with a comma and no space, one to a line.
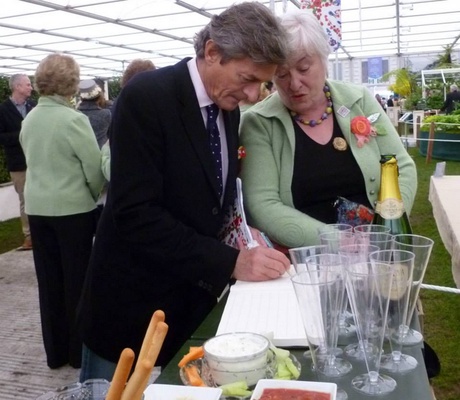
(301,150)
(63,182)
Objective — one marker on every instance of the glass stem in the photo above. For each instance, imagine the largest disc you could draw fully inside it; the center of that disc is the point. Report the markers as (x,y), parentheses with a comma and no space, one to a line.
(373,378)
(396,355)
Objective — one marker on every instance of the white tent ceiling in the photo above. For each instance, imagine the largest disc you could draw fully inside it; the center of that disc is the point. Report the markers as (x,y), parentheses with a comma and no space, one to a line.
(105,35)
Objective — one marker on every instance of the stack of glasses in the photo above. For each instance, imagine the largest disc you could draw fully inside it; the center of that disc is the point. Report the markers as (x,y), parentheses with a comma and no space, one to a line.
(360,281)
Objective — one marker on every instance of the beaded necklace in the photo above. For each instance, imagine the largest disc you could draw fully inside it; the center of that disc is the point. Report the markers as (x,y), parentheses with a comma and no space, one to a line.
(312,123)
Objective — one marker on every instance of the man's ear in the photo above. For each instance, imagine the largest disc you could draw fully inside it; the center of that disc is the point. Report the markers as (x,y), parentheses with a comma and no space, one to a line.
(211,52)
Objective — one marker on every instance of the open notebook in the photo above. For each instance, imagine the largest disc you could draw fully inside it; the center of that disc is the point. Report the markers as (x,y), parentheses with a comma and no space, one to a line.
(269,308)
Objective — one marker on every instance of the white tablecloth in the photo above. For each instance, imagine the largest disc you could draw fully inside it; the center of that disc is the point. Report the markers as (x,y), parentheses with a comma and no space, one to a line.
(445,198)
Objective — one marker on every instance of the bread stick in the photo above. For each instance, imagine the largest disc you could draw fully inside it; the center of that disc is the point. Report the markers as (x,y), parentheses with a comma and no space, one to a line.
(140,375)
(157,342)
(121,374)
(157,316)
(155,347)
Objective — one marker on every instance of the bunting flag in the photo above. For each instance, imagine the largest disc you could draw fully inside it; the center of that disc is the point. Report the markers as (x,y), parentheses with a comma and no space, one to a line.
(328,14)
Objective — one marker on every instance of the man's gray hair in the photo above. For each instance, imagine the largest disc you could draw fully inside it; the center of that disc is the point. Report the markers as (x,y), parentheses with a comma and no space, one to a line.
(306,35)
(246,30)
(15,79)
(453,88)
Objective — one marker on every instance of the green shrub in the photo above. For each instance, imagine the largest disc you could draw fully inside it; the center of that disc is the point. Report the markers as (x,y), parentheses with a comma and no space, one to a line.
(453,119)
(435,102)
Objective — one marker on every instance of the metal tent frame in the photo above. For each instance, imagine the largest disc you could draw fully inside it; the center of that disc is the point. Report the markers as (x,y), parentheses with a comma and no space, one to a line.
(105,35)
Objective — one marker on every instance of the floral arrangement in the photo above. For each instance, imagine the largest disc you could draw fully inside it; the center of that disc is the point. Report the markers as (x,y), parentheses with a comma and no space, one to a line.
(362,128)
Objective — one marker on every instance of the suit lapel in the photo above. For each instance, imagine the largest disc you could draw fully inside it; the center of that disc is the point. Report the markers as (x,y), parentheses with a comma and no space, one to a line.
(29,106)
(192,121)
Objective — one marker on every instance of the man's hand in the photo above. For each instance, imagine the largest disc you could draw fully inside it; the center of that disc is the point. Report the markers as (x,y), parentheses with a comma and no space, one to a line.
(260,264)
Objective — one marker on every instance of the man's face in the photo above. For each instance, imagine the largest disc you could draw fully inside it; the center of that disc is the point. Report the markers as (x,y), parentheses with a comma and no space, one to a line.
(239,79)
(23,87)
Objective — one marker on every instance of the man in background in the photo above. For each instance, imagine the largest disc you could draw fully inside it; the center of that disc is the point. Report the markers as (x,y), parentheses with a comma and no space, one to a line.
(390,102)
(12,111)
(452,99)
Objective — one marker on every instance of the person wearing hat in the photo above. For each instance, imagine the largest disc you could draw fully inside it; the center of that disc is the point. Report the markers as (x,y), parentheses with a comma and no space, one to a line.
(99,118)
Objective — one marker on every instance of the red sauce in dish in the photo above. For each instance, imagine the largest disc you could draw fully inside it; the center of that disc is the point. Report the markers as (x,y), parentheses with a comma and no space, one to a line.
(293,394)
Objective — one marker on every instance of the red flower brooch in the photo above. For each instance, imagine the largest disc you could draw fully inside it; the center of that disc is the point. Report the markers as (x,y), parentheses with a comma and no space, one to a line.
(362,128)
(241,152)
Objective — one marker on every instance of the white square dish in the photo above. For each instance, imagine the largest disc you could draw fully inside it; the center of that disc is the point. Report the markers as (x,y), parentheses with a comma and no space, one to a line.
(324,387)
(177,392)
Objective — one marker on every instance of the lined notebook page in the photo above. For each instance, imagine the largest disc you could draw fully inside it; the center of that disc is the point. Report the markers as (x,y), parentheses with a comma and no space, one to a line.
(269,308)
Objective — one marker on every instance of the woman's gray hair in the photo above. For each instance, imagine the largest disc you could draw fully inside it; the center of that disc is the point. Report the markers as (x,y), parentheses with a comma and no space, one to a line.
(246,30)
(306,34)
(57,74)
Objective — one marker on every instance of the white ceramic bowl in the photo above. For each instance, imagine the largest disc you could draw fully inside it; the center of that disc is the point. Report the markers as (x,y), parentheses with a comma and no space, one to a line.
(323,387)
(236,356)
(176,392)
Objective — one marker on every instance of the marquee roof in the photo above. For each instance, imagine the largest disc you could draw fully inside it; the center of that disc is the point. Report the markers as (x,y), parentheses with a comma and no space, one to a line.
(105,35)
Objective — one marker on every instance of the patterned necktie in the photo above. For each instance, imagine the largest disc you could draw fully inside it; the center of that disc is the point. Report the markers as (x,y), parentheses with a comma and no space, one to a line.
(214,141)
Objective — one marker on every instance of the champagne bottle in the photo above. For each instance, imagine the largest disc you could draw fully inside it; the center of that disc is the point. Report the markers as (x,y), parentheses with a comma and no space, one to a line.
(389,210)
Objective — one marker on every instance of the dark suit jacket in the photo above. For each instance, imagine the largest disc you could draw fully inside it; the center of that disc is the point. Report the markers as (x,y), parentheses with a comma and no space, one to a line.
(10,126)
(448,106)
(156,245)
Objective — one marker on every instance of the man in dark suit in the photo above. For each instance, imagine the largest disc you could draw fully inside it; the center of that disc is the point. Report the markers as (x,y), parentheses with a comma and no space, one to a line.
(156,245)
(12,111)
(452,99)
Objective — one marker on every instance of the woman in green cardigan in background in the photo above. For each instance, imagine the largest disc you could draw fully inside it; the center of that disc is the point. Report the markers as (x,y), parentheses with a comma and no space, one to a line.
(63,182)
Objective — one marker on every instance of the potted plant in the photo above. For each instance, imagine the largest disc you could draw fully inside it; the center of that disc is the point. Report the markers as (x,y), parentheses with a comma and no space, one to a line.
(447,127)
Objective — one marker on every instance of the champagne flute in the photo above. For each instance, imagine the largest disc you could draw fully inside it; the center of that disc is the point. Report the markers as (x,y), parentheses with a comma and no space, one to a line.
(371,228)
(402,262)
(356,253)
(421,246)
(335,240)
(299,255)
(318,294)
(335,228)
(334,263)
(383,240)
(369,288)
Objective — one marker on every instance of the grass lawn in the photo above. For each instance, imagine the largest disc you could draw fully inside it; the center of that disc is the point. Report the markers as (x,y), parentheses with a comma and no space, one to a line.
(11,235)
(442,310)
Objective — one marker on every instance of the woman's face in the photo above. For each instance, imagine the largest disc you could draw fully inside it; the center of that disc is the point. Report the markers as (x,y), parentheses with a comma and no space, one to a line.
(300,83)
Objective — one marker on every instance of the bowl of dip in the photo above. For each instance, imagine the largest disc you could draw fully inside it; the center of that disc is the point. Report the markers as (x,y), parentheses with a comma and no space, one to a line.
(237,356)
(280,389)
